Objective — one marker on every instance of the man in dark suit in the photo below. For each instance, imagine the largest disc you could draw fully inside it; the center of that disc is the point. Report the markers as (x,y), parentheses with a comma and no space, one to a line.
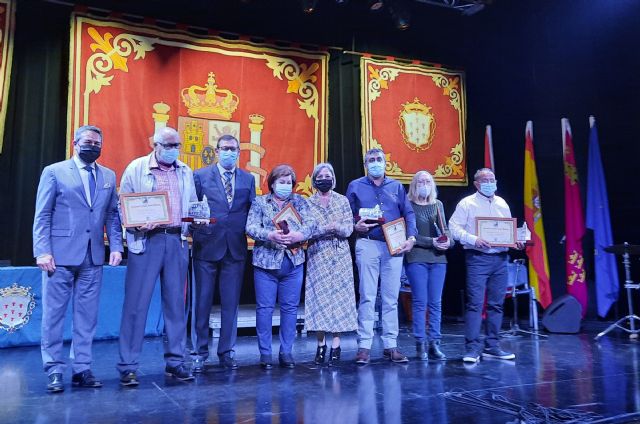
(76,200)
(220,250)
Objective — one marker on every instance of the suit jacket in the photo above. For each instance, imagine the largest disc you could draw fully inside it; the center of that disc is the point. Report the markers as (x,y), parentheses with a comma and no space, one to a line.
(211,243)
(64,223)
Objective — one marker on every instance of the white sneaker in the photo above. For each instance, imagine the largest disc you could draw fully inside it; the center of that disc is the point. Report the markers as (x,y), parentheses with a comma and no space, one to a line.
(471,357)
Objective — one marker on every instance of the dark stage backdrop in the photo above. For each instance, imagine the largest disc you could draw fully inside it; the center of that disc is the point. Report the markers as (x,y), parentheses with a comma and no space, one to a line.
(537,60)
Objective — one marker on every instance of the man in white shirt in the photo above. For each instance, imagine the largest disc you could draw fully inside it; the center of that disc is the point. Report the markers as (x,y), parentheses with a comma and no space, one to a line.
(486,267)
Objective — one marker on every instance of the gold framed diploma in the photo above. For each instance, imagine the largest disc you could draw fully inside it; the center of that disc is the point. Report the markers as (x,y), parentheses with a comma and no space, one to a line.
(141,208)
(395,234)
(288,219)
(498,232)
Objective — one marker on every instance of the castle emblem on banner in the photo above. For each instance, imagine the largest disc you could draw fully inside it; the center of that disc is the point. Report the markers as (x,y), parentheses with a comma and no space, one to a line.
(417,125)
(210,109)
(16,305)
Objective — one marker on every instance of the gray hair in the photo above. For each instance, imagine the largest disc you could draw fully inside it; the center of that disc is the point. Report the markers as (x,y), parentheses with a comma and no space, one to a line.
(165,133)
(482,171)
(372,152)
(318,168)
(413,188)
(78,133)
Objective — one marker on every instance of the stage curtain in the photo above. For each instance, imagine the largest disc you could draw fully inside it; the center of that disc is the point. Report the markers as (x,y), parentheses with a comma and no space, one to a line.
(7,26)
(132,79)
(417,115)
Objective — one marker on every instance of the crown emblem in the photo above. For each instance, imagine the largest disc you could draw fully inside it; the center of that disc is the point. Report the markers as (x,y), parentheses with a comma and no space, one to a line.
(209,102)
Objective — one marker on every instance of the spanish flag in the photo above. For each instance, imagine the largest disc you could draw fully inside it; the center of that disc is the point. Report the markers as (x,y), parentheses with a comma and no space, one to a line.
(488,149)
(537,250)
(573,222)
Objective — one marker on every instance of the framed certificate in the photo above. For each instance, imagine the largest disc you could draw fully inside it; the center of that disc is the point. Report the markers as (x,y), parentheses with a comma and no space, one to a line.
(499,232)
(287,219)
(395,234)
(141,208)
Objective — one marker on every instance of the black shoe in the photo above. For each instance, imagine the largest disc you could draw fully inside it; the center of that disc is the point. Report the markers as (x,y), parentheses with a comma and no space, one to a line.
(228,362)
(129,379)
(265,362)
(55,384)
(334,355)
(179,372)
(86,379)
(435,354)
(421,351)
(286,360)
(321,352)
(496,352)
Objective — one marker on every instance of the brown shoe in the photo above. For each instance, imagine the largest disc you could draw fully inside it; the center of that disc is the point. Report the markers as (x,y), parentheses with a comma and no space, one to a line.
(394,355)
(362,357)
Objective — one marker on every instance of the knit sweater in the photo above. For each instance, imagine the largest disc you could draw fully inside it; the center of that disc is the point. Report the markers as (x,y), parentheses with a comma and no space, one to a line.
(426,217)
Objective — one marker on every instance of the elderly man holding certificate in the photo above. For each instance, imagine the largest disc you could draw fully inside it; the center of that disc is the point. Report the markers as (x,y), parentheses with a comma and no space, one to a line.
(157,248)
(482,223)
(386,228)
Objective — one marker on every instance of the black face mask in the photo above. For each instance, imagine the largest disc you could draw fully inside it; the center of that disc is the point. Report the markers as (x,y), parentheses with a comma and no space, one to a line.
(89,154)
(324,185)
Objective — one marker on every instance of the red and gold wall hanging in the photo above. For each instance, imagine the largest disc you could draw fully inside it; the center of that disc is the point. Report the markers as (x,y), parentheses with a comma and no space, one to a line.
(133,79)
(7,26)
(417,115)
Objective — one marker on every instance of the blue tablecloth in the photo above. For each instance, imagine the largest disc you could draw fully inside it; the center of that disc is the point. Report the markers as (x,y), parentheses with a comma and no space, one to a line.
(111,300)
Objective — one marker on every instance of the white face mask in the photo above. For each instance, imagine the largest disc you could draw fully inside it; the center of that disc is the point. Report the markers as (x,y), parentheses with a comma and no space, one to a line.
(424,191)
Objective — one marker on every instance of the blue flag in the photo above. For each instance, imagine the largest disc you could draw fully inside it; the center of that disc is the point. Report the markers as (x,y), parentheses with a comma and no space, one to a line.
(607,283)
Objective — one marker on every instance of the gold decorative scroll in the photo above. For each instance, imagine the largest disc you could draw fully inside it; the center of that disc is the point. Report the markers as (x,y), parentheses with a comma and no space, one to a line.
(7,27)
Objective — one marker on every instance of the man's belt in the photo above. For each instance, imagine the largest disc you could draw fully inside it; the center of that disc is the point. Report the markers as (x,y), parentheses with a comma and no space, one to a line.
(168,230)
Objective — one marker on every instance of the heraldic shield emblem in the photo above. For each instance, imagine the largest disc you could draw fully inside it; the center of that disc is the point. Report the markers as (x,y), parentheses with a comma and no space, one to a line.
(417,125)
(16,305)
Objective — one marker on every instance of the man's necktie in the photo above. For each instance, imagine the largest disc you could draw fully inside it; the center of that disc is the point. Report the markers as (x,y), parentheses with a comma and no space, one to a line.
(92,183)
(228,189)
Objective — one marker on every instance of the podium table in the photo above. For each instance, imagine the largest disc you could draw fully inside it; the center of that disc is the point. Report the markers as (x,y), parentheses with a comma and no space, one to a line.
(109,314)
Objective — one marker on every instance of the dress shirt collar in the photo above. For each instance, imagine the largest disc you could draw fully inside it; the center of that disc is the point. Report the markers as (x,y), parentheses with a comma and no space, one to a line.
(222,170)
(81,164)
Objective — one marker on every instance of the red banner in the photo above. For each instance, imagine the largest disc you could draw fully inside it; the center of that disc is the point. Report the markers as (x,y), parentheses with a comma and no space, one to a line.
(7,26)
(574,222)
(132,79)
(417,115)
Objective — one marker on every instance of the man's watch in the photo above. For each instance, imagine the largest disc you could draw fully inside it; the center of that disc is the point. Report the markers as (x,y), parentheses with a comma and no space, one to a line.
(412,238)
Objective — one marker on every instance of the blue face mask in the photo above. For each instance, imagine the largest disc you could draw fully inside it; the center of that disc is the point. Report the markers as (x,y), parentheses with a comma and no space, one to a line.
(283,190)
(488,189)
(169,156)
(227,158)
(375,169)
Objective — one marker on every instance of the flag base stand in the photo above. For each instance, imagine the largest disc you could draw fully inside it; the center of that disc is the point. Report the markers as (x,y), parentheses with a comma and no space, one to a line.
(625,249)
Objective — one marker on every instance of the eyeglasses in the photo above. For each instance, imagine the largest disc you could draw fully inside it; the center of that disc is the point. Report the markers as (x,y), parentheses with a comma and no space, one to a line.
(228,148)
(89,143)
(169,146)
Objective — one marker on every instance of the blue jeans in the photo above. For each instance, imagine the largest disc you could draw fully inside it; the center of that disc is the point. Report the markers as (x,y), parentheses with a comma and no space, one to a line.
(484,272)
(427,281)
(285,285)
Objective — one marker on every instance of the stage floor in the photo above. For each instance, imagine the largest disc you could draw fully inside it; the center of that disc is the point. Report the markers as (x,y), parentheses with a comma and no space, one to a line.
(561,371)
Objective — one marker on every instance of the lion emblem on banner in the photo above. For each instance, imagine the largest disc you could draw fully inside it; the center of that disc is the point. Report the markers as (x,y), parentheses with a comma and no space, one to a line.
(16,305)
(417,125)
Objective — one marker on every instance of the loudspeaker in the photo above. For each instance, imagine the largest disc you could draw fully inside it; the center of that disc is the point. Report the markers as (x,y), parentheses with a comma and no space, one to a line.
(563,315)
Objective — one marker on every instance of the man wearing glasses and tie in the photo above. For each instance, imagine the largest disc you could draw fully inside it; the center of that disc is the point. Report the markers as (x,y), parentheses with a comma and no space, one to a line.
(76,201)
(220,251)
